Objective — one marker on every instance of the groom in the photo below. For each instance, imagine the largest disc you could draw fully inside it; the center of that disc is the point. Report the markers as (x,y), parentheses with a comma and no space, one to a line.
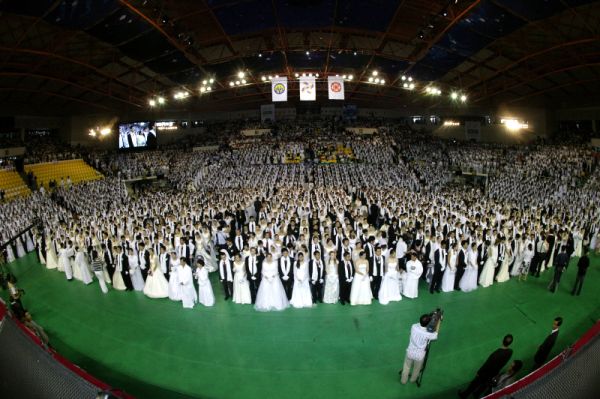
(286,265)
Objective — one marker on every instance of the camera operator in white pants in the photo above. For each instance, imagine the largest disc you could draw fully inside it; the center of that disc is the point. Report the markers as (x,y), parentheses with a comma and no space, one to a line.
(415,353)
(98,267)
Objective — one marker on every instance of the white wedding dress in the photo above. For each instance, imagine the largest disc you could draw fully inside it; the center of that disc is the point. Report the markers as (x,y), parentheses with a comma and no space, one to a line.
(468,282)
(241,288)
(156,285)
(51,260)
(301,295)
(503,274)
(360,292)
(206,296)
(137,280)
(332,284)
(487,273)
(449,273)
(390,286)
(271,295)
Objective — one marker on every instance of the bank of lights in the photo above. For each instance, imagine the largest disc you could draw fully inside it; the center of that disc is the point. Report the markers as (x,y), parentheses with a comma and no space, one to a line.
(100,131)
(408,86)
(407,78)
(514,124)
(434,91)
(153,102)
(180,95)
(451,123)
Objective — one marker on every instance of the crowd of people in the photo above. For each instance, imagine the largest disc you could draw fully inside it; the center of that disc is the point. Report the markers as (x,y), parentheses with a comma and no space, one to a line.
(300,234)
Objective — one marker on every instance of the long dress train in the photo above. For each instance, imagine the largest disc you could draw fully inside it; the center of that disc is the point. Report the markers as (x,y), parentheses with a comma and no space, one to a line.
(271,295)
(390,286)
(332,283)
(301,295)
(360,292)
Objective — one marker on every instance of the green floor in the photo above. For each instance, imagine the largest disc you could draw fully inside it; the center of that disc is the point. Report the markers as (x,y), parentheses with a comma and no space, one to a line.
(157,349)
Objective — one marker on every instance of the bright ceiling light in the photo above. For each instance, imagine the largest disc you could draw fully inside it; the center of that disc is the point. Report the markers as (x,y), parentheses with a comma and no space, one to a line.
(410,79)
(243,81)
(105,131)
(344,76)
(204,82)
(317,75)
(161,100)
(463,98)
(296,74)
(382,81)
(241,74)
(152,102)
(208,88)
(374,73)
(370,79)
(211,81)
(454,95)
(405,85)
(411,86)
(202,89)
(270,77)
(403,77)
(350,77)
(263,78)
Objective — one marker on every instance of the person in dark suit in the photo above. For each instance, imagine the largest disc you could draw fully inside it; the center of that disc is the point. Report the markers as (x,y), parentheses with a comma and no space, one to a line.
(491,368)
(376,271)
(582,266)
(461,264)
(346,274)
(316,272)
(286,272)
(560,264)
(108,259)
(439,265)
(253,270)
(123,265)
(544,349)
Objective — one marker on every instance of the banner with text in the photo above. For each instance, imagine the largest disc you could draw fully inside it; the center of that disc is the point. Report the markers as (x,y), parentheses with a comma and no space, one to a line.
(279,89)
(308,88)
(335,85)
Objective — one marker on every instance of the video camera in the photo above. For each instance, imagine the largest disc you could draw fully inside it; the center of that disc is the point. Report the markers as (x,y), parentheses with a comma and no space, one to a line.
(436,317)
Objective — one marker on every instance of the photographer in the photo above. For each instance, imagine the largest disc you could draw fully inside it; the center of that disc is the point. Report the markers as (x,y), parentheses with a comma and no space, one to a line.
(417,347)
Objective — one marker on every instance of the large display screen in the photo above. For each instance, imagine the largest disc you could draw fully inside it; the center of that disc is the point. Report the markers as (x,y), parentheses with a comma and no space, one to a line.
(137,135)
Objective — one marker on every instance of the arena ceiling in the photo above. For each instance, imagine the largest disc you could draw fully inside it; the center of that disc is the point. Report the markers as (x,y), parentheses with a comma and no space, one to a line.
(72,56)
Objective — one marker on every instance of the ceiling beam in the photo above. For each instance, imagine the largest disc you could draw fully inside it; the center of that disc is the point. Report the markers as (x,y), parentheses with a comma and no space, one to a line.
(52,94)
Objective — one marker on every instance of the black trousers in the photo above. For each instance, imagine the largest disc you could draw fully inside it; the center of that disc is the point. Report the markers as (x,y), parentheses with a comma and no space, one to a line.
(375,285)
(558,270)
(436,280)
(345,291)
(127,281)
(476,388)
(578,284)
(459,273)
(287,286)
(536,263)
(317,291)
(498,266)
(227,288)
(253,288)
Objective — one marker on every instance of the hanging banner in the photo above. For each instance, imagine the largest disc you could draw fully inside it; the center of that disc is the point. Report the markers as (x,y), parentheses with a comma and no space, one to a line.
(335,86)
(279,89)
(267,112)
(308,89)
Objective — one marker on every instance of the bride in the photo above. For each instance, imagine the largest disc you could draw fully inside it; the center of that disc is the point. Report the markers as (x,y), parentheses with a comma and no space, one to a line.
(468,282)
(487,273)
(360,292)
(157,285)
(390,286)
(301,294)
(241,288)
(271,295)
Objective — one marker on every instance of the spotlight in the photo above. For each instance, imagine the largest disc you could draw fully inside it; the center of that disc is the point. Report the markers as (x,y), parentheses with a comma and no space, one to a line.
(105,131)
(374,73)
(270,77)
(259,55)
(202,89)
(161,100)
(231,84)
(350,77)
(411,86)
(410,79)
(403,77)
(151,102)
(355,53)
(303,74)
(454,95)
(204,82)
(243,81)
(376,80)
(296,74)
(307,52)
(405,85)
(370,79)
(241,74)
(382,81)
(208,88)
(276,76)
(92,133)
(211,81)
(463,98)
(317,75)
(310,75)
(237,82)
(344,76)
(263,78)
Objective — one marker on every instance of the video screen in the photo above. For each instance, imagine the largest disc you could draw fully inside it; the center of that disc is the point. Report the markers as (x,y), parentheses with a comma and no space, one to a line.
(137,135)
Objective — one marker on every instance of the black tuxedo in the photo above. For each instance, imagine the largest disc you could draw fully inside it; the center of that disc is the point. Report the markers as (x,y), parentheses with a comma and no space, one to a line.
(286,272)
(491,368)
(316,285)
(481,257)
(345,272)
(124,260)
(253,276)
(146,257)
(439,259)
(109,263)
(461,264)
(544,349)
(167,259)
(376,270)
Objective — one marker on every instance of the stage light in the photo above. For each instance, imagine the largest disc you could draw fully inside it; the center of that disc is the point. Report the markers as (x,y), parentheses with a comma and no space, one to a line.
(208,88)
(92,133)
(454,95)
(307,52)
(382,81)
(204,82)
(374,73)
(259,55)
(355,53)
(303,74)
(405,85)
(411,86)
(270,77)
(105,131)
(350,77)
(370,79)
(237,82)
(231,84)
(161,100)
(317,75)
(202,89)
(243,81)
(152,102)
(276,76)
(343,76)
(463,98)
(410,79)
(310,75)
(376,80)
(403,77)
(263,78)
(296,74)
(241,74)
(211,81)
